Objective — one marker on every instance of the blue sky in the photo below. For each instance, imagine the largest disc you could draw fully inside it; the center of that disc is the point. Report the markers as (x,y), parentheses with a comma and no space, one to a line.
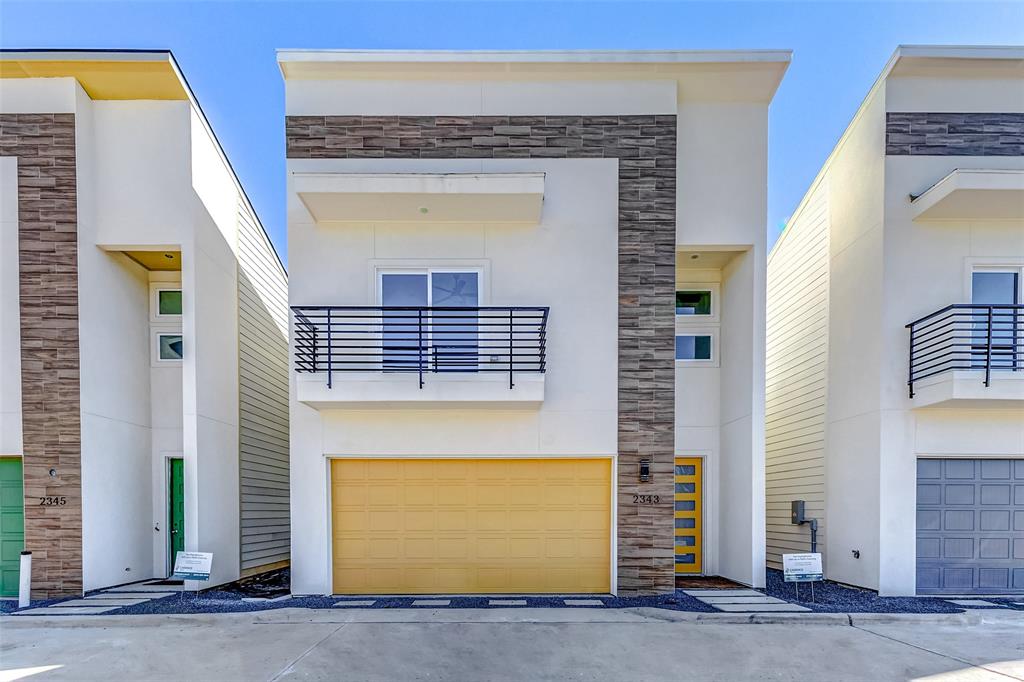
(226,50)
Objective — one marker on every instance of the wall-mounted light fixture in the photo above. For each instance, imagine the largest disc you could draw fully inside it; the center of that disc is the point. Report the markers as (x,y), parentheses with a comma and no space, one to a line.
(645,470)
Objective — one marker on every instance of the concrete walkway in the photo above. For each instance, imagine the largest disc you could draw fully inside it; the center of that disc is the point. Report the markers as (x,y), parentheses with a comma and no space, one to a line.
(512,644)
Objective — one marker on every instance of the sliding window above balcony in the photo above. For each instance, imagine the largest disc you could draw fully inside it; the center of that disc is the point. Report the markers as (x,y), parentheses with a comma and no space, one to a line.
(970,355)
(368,356)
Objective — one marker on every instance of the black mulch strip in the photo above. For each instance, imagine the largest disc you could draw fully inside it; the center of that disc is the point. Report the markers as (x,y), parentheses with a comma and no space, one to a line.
(831,597)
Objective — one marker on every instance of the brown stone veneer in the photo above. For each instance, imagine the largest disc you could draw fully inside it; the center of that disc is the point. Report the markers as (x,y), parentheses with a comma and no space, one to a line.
(44,145)
(646,149)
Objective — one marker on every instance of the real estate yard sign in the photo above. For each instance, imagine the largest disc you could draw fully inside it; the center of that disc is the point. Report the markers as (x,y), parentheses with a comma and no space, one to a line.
(193,565)
(802,568)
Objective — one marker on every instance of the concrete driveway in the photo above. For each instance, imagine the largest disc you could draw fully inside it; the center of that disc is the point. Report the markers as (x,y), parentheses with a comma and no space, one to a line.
(508,644)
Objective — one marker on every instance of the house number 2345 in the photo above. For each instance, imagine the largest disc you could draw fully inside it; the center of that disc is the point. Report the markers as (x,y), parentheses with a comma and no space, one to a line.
(646,499)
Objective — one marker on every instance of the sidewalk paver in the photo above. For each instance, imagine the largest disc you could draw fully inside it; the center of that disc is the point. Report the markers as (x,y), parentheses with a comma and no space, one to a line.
(760,608)
(66,610)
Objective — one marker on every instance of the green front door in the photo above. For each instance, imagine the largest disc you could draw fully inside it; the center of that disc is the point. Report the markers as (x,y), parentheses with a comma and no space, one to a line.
(176,499)
(12,524)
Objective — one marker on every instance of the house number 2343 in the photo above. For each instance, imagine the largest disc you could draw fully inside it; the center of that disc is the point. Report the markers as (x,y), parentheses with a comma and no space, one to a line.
(646,499)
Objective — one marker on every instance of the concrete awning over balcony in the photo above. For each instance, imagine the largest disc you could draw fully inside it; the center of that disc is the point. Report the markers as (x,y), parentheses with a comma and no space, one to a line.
(973,195)
(422,197)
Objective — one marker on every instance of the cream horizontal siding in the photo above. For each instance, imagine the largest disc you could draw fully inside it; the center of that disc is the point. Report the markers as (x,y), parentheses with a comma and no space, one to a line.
(797,366)
(263,398)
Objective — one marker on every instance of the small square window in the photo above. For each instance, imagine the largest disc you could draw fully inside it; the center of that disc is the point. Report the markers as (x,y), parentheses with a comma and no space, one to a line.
(693,347)
(693,303)
(170,346)
(169,302)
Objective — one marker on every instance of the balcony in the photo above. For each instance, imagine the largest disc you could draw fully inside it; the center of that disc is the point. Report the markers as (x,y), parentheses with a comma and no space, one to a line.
(373,356)
(968,355)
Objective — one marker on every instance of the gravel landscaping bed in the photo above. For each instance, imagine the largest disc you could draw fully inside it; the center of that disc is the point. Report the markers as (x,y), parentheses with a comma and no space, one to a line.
(217,601)
(831,597)
(271,592)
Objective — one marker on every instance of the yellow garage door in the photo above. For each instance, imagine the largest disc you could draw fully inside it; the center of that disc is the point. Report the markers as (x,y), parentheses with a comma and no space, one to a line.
(462,526)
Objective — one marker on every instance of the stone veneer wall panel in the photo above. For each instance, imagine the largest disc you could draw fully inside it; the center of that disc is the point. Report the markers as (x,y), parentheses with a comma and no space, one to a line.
(44,145)
(944,134)
(646,149)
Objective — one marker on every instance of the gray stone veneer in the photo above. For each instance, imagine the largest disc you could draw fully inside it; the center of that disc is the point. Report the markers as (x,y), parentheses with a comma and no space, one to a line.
(941,134)
(646,149)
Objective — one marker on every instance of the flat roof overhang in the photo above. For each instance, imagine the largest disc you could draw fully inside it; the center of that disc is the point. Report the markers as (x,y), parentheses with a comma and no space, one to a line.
(973,195)
(422,197)
(713,75)
(103,74)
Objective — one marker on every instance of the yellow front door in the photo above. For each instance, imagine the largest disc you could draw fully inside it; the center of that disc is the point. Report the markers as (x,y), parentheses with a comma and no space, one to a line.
(463,526)
(689,477)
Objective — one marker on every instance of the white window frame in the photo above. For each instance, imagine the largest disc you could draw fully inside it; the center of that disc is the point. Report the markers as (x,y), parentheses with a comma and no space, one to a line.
(714,288)
(157,332)
(974,265)
(698,331)
(381,270)
(154,301)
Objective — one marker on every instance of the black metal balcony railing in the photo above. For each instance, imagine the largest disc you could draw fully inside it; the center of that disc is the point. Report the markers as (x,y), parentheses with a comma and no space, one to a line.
(419,340)
(966,336)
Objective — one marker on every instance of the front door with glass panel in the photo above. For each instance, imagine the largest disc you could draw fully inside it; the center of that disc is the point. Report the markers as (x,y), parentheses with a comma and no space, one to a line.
(689,550)
(996,286)
(431,321)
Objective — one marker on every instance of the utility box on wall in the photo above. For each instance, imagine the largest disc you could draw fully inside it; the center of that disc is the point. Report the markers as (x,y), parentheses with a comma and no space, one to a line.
(796,514)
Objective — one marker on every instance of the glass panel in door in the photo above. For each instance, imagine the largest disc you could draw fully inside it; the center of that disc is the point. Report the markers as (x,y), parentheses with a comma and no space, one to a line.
(996,287)
(402,338)
(455,333)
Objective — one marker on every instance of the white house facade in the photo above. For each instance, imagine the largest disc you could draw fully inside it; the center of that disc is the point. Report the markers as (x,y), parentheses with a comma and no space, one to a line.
(895,390)
(527,295)
(143,353)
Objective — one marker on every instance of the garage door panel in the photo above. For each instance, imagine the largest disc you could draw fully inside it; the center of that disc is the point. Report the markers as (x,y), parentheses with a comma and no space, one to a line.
(956,468)
(929,494)
(959,494)
(929,548)
(994,578)
(464,526)
(995,468)
(994,548)
(995,520)
(965,543)
(959,519)
(995,494)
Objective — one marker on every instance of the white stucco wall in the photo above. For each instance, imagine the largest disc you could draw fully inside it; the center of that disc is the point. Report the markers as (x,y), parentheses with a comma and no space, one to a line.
(568,262)
(10,324)
(210,370)
(885,270)
(142,172)
(113,333)
(523,265)
(852,467)
(929,264)
(721,201)
(150,176)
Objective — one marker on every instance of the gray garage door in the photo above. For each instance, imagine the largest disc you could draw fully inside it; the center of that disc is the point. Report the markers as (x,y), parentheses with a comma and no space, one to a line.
(970,526)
